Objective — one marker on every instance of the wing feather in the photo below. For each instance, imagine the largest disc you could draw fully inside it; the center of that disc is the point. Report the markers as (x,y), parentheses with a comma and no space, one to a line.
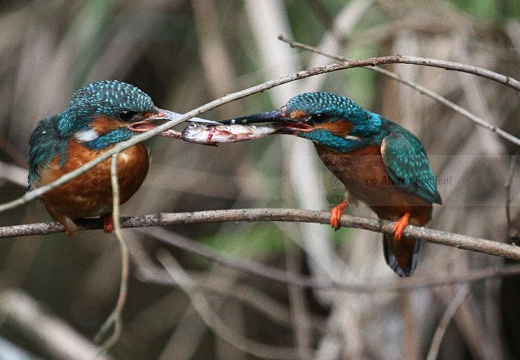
(408,167)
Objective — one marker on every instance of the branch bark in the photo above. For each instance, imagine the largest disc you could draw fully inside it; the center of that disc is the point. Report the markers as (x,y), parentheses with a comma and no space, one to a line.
(289,215)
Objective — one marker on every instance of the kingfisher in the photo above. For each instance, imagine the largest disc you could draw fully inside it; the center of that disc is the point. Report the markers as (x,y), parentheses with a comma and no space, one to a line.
(380,163)
(99,116)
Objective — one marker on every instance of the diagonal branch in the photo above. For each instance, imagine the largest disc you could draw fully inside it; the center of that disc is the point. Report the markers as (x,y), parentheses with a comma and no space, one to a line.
(421,89)
(392,59)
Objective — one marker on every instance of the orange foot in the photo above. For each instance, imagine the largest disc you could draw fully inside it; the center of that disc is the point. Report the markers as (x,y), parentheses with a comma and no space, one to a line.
(336,212)
(108,223)
(400,225)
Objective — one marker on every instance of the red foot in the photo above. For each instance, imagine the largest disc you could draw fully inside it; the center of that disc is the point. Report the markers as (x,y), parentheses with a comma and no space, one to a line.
(108,223)
(336,212)
(400,225)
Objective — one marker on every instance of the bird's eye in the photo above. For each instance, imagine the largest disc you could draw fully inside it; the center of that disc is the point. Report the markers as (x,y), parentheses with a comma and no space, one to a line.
(319,118)
(126,115)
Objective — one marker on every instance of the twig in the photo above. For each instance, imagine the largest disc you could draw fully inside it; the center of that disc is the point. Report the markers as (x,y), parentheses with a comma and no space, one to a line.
(147,270)
(512,232)
(445,321)
(275,274)
(114,319)
(421,89)
(52,335)
(224,332)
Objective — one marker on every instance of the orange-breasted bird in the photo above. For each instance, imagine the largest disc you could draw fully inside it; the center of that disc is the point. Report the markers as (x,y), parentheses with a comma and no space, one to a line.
(99,116)
(379,162)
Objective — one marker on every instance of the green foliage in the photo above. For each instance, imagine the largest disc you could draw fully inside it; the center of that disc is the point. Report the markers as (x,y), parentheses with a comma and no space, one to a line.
(259,242)
(490,10)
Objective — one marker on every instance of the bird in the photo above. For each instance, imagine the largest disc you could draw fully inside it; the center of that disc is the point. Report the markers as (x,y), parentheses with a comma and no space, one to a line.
(379,162)
(99,116)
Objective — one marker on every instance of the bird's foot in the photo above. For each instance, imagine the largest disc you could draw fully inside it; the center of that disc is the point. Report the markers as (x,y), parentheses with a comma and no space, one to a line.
(108,223)
(336,212)
(400,225)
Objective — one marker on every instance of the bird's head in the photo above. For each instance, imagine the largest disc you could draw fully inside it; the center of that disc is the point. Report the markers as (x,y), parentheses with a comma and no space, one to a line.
(107,112)
(322,117)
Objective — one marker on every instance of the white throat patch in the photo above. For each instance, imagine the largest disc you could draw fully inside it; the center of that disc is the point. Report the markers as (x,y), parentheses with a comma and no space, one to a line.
(86,135)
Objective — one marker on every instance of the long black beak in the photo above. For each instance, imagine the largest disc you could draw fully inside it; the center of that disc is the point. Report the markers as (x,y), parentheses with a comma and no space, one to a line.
(269,117)
(277,117)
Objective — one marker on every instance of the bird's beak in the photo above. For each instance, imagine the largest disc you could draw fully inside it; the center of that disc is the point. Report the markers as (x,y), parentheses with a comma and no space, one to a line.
(268,117)
(148,124)
(278,117)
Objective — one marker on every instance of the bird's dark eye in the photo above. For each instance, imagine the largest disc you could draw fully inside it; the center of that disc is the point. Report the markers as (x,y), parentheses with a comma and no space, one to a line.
(319,118)
(126,115)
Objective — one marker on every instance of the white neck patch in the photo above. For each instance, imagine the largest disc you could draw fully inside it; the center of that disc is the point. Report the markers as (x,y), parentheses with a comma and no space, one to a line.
(350,137)
(86,135)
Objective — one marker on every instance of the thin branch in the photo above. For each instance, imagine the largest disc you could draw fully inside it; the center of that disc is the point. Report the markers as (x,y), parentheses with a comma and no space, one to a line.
(393,59)
(416,60)
(219,327)
(419,88)
(275,274)
(512,232)
(114,319)
(147,270)
(445,321)
(43,330)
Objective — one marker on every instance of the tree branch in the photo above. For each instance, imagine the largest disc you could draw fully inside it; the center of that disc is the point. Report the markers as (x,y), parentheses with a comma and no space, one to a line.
(421,89)
(289,215)
(149,272)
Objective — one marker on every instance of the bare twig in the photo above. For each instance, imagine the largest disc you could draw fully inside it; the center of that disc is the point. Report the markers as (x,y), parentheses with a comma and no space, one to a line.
(513,233)
(15,174)
(274,274)
(419,88)
(224,332)
(43,330)
(445,321)
(114,319)
(147,270)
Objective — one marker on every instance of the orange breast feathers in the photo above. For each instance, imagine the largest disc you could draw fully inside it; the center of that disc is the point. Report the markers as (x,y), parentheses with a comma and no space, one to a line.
(90,194)
(364,175)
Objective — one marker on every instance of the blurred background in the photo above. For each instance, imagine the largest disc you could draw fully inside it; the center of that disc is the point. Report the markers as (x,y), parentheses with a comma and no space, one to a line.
(185,53)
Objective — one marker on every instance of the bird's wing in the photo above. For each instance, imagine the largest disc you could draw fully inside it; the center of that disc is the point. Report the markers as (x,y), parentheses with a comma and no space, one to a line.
(407,165)
(44,144)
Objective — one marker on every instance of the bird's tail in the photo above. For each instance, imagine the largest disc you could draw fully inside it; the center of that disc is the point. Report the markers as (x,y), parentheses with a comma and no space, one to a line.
(401,255)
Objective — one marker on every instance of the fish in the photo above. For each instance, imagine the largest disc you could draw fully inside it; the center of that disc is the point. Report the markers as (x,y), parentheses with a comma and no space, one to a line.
(171,115)
(201,133)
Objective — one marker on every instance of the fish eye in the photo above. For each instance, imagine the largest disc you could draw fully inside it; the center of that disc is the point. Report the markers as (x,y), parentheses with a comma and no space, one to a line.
(126,115)
(192,125)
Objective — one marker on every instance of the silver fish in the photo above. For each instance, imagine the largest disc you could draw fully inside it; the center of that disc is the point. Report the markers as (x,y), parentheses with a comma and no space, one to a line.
(213,134)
